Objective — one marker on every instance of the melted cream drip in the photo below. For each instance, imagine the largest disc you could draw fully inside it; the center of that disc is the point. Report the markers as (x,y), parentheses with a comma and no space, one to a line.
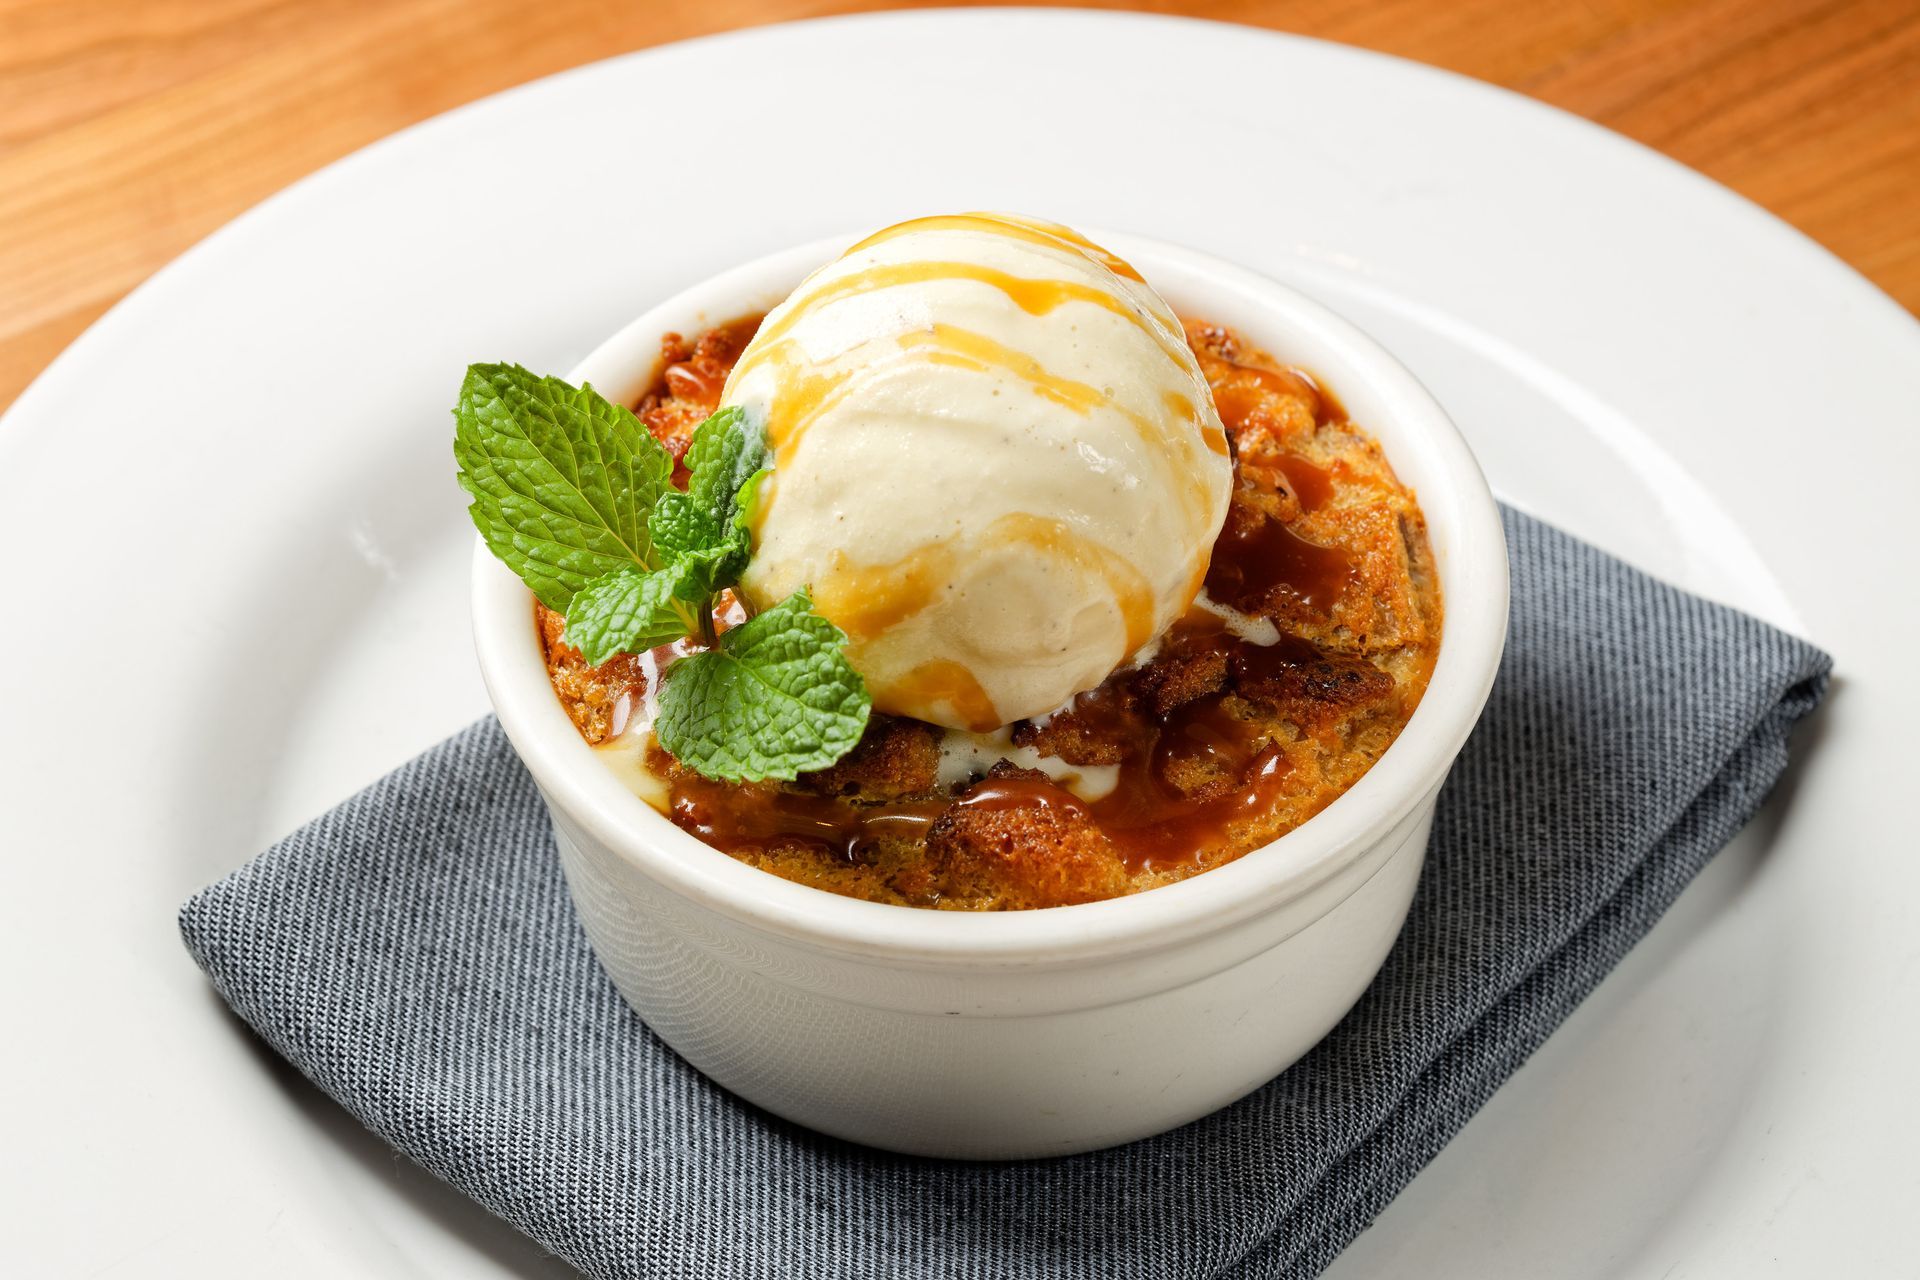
(1242,626)
(964,756)
(625,755)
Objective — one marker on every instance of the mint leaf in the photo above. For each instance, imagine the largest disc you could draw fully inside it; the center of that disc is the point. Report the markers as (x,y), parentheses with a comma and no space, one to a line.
(709,523)
(627,611)
(562,480)
(728,452)
(577,498)
(776,698)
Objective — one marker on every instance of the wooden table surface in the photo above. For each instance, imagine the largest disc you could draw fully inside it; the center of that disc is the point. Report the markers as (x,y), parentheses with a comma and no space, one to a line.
(131,128)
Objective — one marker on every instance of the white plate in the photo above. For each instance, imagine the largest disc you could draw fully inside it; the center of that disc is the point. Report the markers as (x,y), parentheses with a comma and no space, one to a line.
(238,554)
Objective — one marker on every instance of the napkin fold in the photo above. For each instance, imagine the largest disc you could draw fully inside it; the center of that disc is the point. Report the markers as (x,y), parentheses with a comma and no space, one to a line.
(415,954)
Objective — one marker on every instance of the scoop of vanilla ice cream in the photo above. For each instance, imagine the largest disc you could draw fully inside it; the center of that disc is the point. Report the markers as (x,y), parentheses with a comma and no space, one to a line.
(996,463)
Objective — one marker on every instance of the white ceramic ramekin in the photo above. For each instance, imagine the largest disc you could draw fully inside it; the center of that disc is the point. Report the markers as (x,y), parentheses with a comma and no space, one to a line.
(1030,1033)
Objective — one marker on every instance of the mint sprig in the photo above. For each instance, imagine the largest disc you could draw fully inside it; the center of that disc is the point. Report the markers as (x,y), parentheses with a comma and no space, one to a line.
(708,527)
(563,481)
(575,496)
(629,611)
(773,699)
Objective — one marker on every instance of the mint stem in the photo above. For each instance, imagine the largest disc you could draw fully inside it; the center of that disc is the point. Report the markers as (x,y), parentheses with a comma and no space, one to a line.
(708,636)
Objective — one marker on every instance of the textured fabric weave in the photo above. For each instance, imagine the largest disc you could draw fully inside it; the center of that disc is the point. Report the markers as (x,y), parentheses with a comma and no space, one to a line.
(414,953)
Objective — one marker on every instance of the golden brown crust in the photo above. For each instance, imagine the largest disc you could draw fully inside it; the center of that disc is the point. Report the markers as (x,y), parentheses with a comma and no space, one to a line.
(1022,857)
(596,699)
(1320,690)
(896,758)
(1175,679)
(691,378)
(1284,428)
(1072,739)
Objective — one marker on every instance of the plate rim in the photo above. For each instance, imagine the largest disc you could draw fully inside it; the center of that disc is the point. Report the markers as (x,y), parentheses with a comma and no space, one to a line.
(151,292)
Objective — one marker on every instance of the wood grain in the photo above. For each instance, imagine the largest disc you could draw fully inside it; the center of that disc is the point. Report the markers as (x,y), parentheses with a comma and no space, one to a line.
(130,129)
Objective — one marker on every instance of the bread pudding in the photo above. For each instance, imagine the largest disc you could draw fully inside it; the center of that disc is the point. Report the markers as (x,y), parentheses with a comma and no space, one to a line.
(1308,643)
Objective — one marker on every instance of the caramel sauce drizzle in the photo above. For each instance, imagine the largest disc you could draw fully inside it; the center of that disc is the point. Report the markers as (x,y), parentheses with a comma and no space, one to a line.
(1036,297)
(1050,235)
(940,681)
(1250,564)
(1312,484)
(1152,822)
(965,349)
(950,344)
(1132,593)
(803,395)
(866,601)
(756,818)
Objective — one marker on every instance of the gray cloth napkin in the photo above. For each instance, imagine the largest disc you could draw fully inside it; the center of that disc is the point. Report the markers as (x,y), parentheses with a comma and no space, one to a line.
(415,954)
